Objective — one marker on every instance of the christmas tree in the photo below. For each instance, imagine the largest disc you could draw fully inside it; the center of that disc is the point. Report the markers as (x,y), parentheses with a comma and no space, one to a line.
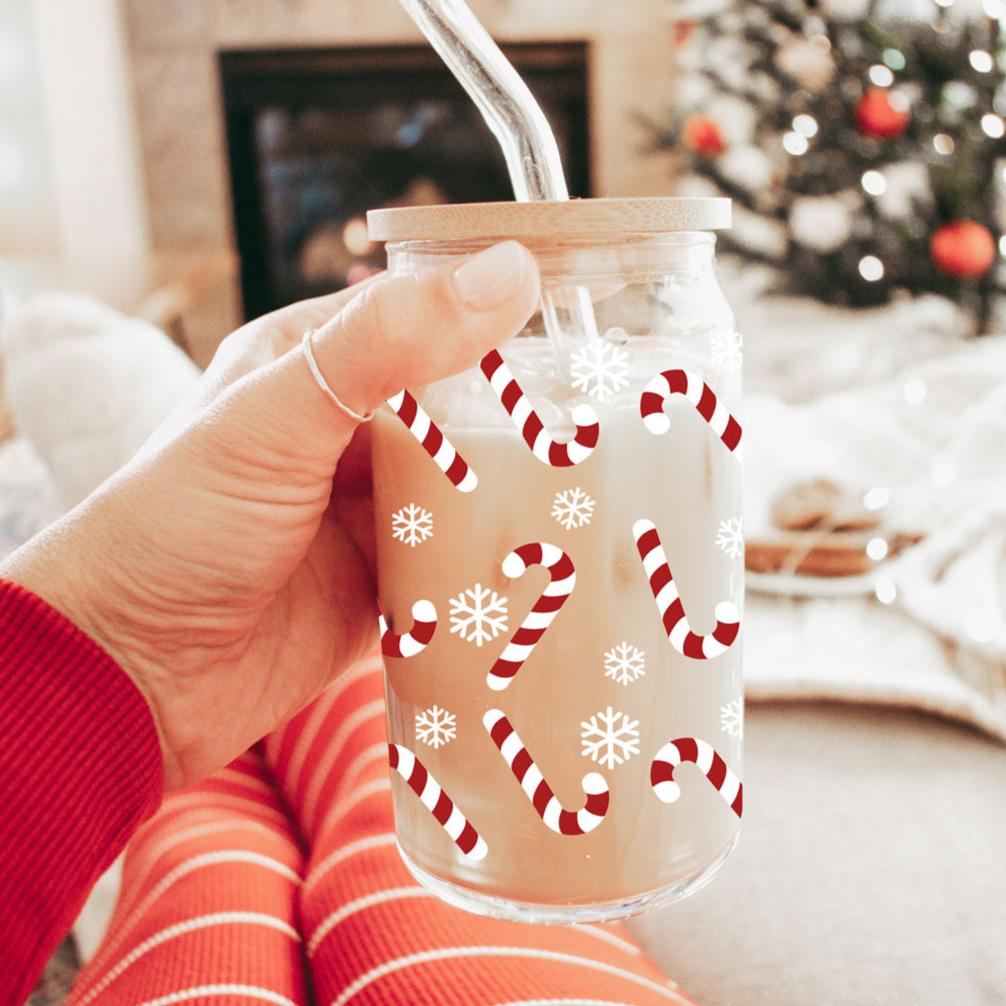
(860,151)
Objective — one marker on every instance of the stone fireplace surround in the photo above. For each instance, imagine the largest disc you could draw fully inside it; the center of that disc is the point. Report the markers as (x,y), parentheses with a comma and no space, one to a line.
(173,52)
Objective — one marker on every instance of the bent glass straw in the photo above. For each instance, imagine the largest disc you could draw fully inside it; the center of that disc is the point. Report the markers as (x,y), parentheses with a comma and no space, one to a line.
(516,120)
(499,92)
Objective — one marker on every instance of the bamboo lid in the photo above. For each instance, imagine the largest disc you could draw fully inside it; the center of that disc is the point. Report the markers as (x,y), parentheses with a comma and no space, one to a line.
(576,218)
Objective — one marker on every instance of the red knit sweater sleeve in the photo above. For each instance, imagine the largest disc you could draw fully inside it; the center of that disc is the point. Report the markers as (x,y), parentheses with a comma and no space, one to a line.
(80,768)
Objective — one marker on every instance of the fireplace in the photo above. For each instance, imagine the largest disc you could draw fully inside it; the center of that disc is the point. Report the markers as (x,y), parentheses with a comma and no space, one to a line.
(316,137)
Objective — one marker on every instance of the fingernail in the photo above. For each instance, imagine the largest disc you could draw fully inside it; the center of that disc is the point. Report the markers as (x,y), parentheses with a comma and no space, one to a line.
(492,277)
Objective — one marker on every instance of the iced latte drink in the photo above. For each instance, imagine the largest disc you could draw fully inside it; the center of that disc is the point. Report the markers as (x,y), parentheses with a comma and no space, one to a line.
(560,569)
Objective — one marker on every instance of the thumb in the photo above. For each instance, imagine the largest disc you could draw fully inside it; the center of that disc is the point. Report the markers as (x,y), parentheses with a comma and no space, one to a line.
(400,332)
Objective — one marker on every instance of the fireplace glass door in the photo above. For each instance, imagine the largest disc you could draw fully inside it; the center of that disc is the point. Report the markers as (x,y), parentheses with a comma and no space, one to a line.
(318,137)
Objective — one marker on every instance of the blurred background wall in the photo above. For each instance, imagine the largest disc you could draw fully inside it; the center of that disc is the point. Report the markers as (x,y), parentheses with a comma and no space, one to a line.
(70,179)
(27,200)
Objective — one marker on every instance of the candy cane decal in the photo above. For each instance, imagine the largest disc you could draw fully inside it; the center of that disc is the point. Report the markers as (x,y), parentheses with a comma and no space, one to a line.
(672,612)
(437,802)
(408,644)
(433,441)
(544,801)
(684,382)
(562,578)
(704,757)
(531,428)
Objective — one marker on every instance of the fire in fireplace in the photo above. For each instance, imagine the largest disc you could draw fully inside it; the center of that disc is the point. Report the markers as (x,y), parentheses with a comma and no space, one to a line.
(318,137)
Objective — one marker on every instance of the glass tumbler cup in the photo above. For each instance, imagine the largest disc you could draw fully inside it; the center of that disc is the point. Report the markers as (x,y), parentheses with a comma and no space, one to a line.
(560,568)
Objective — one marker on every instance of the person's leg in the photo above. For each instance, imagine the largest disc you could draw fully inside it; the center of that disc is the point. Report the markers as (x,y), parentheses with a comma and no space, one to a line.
(373,935)
(207,910)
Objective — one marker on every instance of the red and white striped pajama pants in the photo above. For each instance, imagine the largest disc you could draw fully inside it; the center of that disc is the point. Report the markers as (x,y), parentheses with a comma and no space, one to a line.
(277,881)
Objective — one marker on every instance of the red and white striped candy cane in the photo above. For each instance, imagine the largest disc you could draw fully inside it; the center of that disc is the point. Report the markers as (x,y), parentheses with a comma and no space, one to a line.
(562,580)
(408,644)
(433,441)
(706,758)
(437,802)
(544,801)
(672,612)
(684,382)
(531,428)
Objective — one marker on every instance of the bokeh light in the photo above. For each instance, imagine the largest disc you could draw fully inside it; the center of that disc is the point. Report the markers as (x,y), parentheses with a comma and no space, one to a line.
(876,549)
(795,143)
(943,143)
(876,498)
(881,75)
(981,61)
(874,183)
(871,268)
(805,125)
(894,59)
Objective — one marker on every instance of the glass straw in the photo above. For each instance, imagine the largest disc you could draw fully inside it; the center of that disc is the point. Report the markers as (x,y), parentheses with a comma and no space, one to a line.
(519,125)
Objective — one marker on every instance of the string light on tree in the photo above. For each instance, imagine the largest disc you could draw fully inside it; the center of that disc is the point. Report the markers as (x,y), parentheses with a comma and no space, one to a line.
(871,268)
(993,126)
(881,75)
(874,182)
(981,61)
(795,144)
(894,59)
(805,125)
(944,144)
(959,95)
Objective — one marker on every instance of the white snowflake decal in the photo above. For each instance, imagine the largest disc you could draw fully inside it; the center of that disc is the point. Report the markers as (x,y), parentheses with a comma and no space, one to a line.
(478,614)
(600,369)
(412,525)
(572,508)
(435,726)
(727,350)
(624,663)
(610,737)
(732,718)
(730,537)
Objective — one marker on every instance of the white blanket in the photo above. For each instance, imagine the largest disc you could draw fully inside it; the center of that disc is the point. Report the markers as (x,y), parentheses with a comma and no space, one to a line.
(934,437)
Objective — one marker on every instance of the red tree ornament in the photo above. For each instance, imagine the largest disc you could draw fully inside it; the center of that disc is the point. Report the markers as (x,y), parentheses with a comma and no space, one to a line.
(963,249)
(881,115)
(701,135)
